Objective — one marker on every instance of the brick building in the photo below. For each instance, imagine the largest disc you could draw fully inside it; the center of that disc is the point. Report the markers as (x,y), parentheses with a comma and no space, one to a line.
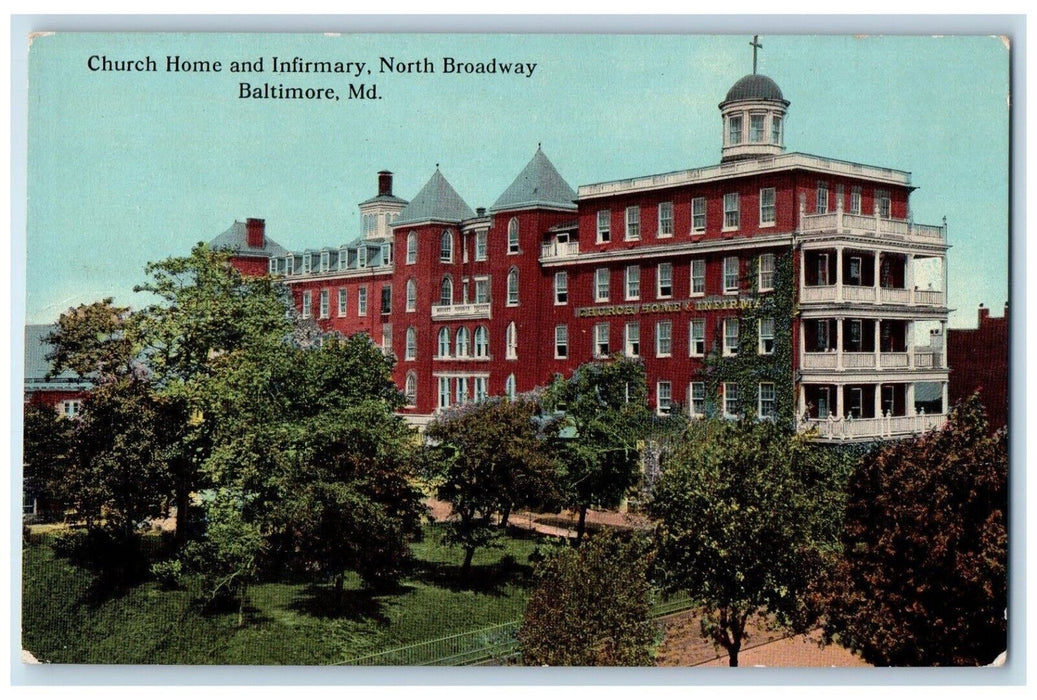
(979,362)
(678,269)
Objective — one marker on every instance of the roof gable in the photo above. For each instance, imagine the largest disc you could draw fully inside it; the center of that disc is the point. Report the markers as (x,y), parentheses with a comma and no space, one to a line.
(539,184)
(437,201)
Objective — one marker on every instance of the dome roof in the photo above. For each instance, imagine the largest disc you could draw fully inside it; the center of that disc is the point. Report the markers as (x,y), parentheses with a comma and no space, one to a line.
(755,87)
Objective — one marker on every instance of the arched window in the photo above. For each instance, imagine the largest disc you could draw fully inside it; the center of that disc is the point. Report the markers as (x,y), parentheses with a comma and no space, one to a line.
(509,386)
(446,246)
(511,341)
(412,247)
(444,342)
(513,235)
(411,347)
(462,342)
(410,389)
(513,287)
(446,291)
(482,342)
(412,295)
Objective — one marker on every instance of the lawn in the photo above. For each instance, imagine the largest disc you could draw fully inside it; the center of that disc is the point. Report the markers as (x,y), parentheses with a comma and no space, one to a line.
(68,618)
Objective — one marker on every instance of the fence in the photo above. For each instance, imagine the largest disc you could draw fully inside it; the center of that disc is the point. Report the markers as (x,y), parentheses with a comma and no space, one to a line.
(477,646)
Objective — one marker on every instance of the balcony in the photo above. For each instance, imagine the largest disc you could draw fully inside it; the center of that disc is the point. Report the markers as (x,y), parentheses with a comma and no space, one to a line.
(834,429)
(856,294)
(460,311)
(866,360)
(873,227)
(554,250)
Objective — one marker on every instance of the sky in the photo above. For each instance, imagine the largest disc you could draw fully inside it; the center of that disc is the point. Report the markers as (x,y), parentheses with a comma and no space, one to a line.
(128,167)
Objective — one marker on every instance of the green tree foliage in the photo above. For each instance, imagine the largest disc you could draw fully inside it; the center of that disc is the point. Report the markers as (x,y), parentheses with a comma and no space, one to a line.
(486,458)
(736,526)
(607,405)
(924,577)
(591,606)
(45,452)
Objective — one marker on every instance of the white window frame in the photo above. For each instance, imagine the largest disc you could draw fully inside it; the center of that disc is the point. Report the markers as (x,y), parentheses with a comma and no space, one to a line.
(821,203)
(446,291)
(632,282)
(772,399)
(731,332)
(511,342)
(480,388)
(325,260)
(604,225)
(697,398)
(412,247)
(361,256)
(664,281)
(325,303)
(481,342)
(732,212)
(462,343)
(759,136)
(768,208)
(732,275)
(776,129)
(343,302)
(694,340)
(513,236)
(883,204)
(509,387)
(446,246)
(632,224)
(513,287)
(361,301)
(443,345)
(444,392)
(561,288)
(735,125)
(765,334)
(698,274)
(731,399)
(461,390)
(663,338)
(307,304)
(410,347)
(412,295)
(561,342)
(663,398)
(481,244)
(482,290)
(698,211)
(765,278)
(665,222)
(410,389)
(601,347)
(632,339)
(601,284)
(855,199)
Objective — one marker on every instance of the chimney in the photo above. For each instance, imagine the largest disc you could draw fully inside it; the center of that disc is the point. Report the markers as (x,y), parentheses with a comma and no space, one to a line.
(480,211)
(384,183)
(254,233)
(984,314)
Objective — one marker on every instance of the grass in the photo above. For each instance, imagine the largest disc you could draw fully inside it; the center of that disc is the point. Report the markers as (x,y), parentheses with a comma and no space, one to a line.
(66,619)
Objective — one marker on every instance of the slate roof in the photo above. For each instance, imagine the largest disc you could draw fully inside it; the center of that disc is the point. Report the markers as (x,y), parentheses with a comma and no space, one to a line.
(539,184)
(234,240)
(755,87)
(437,201)
(384,198)
(37,365)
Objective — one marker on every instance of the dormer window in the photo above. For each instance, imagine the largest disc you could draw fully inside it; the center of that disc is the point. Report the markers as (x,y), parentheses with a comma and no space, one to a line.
(325,261)
(361,256)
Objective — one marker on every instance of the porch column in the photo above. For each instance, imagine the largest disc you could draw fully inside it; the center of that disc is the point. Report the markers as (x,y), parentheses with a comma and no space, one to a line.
(910,407)
(909,343)
(839,273)
(878,344)
(840,412)
(878,400)
(878,294)
(909,276)
(945,398)
(839,343)
(802,342)
(802,271)
(801,411)
(839,208)
(943,344)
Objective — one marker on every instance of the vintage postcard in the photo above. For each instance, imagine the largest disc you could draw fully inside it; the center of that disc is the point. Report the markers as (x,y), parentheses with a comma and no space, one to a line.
(516,350)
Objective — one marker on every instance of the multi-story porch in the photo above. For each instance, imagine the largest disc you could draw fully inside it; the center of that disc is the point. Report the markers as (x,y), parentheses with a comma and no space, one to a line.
(859,410)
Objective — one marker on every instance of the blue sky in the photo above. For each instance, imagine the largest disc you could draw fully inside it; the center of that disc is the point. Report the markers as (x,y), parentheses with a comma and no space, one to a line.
(128,168)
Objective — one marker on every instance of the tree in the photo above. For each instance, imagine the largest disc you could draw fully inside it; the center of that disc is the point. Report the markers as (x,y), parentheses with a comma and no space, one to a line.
(486,458)
(736,526)
(45,452)
(607,405)
(591,606)
(923,580)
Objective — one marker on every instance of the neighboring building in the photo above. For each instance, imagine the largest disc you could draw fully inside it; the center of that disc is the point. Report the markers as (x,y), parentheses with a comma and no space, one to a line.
(64,392)
(672,268)
(979,362)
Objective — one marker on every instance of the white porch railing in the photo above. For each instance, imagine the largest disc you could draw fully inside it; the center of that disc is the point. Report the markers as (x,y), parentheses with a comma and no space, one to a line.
(927,359)
(551,249)
(929,297)
(892,295)
(873,226)
(444,311)
(855,293)
(860,428)
(893,360)
(820,360)
(820,293)
(857,360)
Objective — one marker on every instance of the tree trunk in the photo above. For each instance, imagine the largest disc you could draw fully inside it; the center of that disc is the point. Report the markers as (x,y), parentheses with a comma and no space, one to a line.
(183,502)
(339,581)
(469,552)
(581,525)
(505,514)
(241,605)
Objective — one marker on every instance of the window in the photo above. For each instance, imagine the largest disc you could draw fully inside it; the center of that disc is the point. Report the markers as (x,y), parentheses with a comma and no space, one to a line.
(410,348)
(855,200)
(305,263)
(412,248)
(509,387)
(766,279)
(697,399)
(767,216)
(461,345)
(882,204)
(601,284)
(325,261)
(561,287)
(664,281)
(361,301)
(632,333)
(821,206)
(480,244)
(822,269)
(482,342)
(756,131)
(734,130)
(822,334)
(343,300)
(412,295)
(446,291)
(663,338)
(856,335)
(776,130)
(513,236)
(444,392)
(480,389)
(698,214)
(604,223)
(386,298)
(561,342)
(665,219)
(361,256)
(446,247)
(856,402)
(697,337)
(410,389)
(731,281)
(482,290)
(325,303)
(731,219)
(443,349)
(511,341)
(633,224)
(766,407)
(731,408)
(387,253)
(289,265)
(730,336)
(387,339)
(632,278)
(461,384)
(698,277)
(271,267)
(513,287)
(855,270)
(464,246)
(601,340)
(307,303)
(664,398)
(766,346)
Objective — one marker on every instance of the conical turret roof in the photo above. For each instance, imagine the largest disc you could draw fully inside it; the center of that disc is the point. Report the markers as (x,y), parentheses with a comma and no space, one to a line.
(538,185)
(437,201)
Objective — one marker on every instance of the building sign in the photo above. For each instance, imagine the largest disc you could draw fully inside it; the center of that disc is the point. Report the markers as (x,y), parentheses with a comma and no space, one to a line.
(657,307)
